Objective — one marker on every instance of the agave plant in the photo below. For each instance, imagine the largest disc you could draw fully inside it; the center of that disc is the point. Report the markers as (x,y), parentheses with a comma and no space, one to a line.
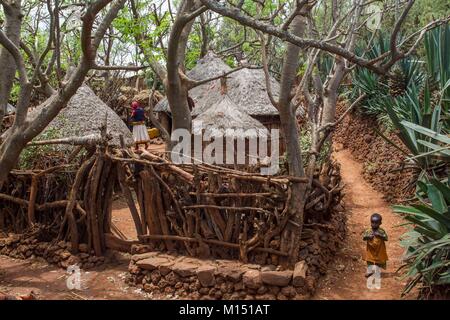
(427,259)
(420,126)
(437,47)
(378,89)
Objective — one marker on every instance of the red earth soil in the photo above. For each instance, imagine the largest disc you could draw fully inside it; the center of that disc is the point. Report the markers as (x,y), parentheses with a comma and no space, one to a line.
(345,279)
(381,161)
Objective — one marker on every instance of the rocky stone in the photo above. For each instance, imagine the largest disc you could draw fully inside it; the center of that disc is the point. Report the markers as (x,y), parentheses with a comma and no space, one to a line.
(269,267)
(239,286)
(281,296)
(169,290)
(141,248)
(155,277)
(84,256)
(73,260)
(288,291)
(231,273)
(184,269)
(151,263)
(62,244)
(142,256)
(162,283)
(83,247)
(134,269)
(276,278)
(251,266)
(299,275)
(204,290)
(172,278)
(311,283)
(165,268)
(261,290)
(206,276)
(252,279)
(234,296)
(274,290)
(178,285)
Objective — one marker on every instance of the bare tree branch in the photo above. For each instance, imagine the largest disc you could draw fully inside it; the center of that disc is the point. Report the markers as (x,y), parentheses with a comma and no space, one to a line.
(195,83)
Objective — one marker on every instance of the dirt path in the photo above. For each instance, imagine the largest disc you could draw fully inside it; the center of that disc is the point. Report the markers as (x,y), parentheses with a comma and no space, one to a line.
(20,277)
(345,279)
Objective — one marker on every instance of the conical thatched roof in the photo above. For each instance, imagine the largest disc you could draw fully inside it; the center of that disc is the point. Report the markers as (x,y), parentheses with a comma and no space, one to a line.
(84,115)
(246,88)
(225,119)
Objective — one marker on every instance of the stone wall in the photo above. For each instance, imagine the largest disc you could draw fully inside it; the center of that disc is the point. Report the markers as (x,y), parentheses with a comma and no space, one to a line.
(181,277)
(29,246)
(185,277)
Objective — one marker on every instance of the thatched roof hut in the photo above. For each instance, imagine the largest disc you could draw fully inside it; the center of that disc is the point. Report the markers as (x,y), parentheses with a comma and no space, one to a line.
(224,119)
(84,115)
(246,88)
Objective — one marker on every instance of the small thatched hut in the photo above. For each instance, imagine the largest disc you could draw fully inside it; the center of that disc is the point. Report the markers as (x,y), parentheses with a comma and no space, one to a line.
(224,120)
(246,88)
(84,115)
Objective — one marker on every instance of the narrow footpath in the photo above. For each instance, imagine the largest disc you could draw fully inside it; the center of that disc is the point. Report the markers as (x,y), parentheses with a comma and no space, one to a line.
(345,279)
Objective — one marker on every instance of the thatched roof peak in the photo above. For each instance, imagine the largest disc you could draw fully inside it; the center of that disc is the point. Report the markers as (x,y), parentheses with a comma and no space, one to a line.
(84,115)
(224,118)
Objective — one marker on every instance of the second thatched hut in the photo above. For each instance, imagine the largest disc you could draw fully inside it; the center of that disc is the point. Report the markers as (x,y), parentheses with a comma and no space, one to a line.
(246,89)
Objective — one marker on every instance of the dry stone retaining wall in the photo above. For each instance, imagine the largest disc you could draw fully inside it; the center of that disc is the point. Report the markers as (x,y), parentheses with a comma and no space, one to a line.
(178,276)
(192,278)
(58,253)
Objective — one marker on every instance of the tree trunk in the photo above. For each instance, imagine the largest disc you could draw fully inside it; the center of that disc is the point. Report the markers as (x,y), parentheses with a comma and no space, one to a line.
(13,17)
(291,236)
(330,94)
(176,87)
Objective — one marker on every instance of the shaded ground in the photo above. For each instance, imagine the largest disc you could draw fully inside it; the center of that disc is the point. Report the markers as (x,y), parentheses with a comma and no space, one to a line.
(122,219)
(345,279)
(20,277)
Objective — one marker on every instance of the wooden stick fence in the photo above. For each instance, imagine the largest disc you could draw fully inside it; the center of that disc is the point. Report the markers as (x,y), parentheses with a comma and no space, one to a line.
(200,210)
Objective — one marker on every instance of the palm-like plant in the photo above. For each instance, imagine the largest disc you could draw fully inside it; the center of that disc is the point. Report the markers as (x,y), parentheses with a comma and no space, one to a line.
(437,47)
(420,127)
(428,243)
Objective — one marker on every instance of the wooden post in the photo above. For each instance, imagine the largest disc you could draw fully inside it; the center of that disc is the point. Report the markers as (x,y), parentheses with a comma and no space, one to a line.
(32,201)
(72,202)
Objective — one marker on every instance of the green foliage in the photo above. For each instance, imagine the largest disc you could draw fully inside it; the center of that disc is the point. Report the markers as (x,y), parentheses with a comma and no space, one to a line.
(30,154)
(305,145)
(419,127)
(437,47)
(377,88)
(428,243)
